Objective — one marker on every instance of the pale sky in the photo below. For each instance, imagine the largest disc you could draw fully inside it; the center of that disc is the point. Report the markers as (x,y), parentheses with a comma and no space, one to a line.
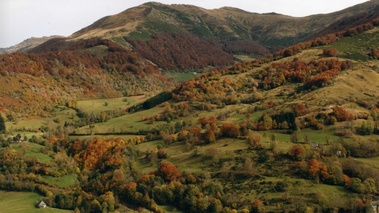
(22,19)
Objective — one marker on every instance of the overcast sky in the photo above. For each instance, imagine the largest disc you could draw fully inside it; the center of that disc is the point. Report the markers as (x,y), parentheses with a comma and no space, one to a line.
(22,19)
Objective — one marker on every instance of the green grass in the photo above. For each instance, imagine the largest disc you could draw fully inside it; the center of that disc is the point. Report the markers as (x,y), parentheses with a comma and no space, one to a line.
(170,209)
(160,26)
(59,115)
(23,202)
(140,35)
(244,57)
(85,137)
(372,162)
(32,150)
(182,76)
(129,122)
(27,124)
(99,105)
(357,47)
(66,180)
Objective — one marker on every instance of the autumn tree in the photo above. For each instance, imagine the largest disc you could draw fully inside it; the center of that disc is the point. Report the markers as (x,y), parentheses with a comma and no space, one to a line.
(313,168)
(230,130)
(168,171)
(341,114)
(297,152)
(329,52)
(253,140)
(209,136)
(374,53)
(301,109)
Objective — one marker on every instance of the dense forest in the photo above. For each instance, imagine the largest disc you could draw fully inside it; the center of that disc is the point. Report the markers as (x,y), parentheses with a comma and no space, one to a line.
(166,50)
(104,70)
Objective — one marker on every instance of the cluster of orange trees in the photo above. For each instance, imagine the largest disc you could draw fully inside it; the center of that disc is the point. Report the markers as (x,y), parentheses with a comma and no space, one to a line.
(311,74)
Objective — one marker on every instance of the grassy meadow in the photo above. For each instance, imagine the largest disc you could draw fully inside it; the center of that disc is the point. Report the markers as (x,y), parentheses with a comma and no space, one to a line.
(23,202)
(99,105)
(182,76)
(32,150)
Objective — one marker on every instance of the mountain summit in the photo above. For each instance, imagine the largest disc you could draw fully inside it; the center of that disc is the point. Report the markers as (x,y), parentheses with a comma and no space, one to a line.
(237,30)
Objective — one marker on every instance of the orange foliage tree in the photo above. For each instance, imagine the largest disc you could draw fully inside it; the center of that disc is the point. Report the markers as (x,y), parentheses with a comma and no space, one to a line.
(341,114)
(230,130)
(297,152)
(168,171)
(329,52)
(313,168)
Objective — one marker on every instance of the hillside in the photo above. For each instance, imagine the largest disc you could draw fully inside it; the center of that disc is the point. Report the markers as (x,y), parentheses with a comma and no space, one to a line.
(164,34)
(295,131)
(27,44)
(33,83)
(236,30)
(92,123)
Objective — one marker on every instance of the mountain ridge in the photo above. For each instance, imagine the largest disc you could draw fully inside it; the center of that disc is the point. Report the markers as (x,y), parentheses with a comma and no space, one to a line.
(197,43)
(273,31)
(28,44)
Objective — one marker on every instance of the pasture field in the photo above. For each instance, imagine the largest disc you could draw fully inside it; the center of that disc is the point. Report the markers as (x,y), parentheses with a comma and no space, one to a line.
(371,162)
(32,150)
(130,123)
(59,115)
(32,124)
(66,180)
(23,202)
(88,137)
(182,76)
(99,105)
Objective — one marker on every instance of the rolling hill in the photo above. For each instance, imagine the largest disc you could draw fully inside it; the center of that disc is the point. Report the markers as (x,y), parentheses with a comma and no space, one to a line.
(141,42)
(293,131)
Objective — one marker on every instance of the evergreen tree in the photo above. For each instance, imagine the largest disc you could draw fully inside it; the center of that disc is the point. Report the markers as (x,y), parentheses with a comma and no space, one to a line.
(2,124)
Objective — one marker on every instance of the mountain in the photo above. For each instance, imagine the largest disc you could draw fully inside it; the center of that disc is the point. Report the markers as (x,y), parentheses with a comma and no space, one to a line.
(27,44)
(133,49)
(234,29)
(164,34)
(292,131)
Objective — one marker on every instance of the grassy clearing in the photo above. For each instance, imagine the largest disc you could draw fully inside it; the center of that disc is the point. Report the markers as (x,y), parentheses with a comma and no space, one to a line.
(59,115)
(66,180)
(194,159)
(130,123)
(32,150)
(170,209)
(372,162)
(62,114)
(28,123)
(99,105)
(23,202)
(182,76)
(89,137)
(244,57)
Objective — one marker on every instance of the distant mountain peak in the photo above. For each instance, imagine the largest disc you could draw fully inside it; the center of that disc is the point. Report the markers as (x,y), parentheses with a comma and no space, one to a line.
(226,26)
(27,44)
